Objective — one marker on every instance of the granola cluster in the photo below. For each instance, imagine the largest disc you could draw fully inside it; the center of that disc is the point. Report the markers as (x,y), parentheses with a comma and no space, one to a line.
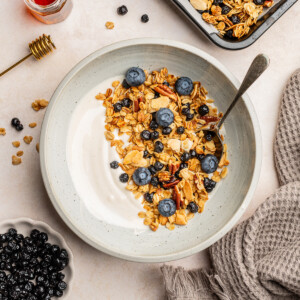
(176,168)
(233,18)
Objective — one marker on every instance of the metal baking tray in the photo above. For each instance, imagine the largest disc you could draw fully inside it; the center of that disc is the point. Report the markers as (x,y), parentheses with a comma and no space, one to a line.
(265,21)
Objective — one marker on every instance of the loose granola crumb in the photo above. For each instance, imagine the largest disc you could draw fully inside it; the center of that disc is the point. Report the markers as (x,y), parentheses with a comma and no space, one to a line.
(32,125)
(109,25)
(2,131)
(37,147)
(16,144)
(16,160)
(39,104)
(28,139)
(20,153)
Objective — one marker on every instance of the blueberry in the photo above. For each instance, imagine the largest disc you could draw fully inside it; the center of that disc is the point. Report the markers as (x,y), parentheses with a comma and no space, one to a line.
(209,135)
(43,237)
(166,130)
(166,83)
(117,107)
(229,34)
(126,102)
(185,156)
(124,177)
(145,135)
(185,111)
(225,10)
(154,135)
(184,86)
(122,10)
(62,286)
(152,170)
(193,153)
(200,156)
(149,197)
(156,94)
(189,116)
(34,234)
(180,130)
(209,184)
(154,181)
(141,176)
(125,84)
(192,207)
(145,18)
(164,117)
(12,232)
(15,122)
(58,293)
(203,110)
(135,76)
(259,2)
(158,165)
(114,164)
(146,153)
(19,127)
(209,164)
(167,207)
(158,147)
(188,105)
(183,166)
(217,2)
(235,19)
(153,125)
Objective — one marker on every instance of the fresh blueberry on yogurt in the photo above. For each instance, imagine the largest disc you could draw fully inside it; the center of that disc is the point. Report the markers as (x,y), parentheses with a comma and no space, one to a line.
(135,76)
(184,86)
(141,176)
(164,117)
(209,164)
(167,207)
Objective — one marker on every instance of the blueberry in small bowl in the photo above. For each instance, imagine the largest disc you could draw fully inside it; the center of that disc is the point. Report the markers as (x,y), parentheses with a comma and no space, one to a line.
(141,176)
(135,76)
(164,117)
(184,85)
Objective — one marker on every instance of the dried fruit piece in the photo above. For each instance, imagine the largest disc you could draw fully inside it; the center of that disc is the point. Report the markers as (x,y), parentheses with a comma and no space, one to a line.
(2,131)
(32,125)
(16,144)
(20,153)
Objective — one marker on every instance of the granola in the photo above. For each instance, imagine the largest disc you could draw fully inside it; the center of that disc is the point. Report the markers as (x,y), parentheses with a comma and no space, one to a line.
(232,18)
(170,160)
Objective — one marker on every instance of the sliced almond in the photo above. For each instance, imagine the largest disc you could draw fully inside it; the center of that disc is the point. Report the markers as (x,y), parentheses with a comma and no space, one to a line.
(199,4)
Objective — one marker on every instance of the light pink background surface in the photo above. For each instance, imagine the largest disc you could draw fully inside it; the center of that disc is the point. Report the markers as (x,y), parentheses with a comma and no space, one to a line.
(97,275)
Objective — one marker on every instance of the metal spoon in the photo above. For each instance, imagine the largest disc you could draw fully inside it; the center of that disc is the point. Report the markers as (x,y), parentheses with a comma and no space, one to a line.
(258,66)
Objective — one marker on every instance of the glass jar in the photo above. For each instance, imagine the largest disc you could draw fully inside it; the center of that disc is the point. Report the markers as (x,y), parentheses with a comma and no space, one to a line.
(50,11)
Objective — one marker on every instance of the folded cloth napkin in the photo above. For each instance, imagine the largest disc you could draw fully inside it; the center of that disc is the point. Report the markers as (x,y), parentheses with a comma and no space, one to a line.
(259,258)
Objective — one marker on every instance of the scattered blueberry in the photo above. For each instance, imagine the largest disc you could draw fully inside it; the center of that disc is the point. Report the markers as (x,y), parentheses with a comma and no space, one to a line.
(146,153)
(164,117)
(167,207)
(209,164)
(203,110)
(153,125)
(183,166)
(146,135)
(154,181)
(126,102)
(185,110)
(154,135)
(124,177)
(15,122)
(184,86)
(141,176)
(166,130)
(158,165)
(122,10)
(180,130)
(235,19)
(189,116)
(135,76)
(19,127)
(158,147)
(259,2)
(193,153)
(152,170)
(225,10)
(125,84)
(192,207)
(185,156)
(209,135)
(149,197)
(118,107)
(114,164)
(209,184)
(145,18)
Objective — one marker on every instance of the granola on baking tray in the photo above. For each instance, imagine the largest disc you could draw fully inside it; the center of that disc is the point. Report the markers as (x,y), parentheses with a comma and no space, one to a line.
(168,159)
(233,18)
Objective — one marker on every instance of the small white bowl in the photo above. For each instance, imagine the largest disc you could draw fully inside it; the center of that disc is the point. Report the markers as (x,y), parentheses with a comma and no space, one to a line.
(25,226)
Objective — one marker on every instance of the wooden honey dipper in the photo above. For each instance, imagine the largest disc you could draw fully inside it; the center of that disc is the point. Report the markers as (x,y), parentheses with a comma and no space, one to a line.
(38,48)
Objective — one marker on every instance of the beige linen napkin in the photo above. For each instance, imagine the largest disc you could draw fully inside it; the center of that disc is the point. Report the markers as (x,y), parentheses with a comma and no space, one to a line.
(259,258)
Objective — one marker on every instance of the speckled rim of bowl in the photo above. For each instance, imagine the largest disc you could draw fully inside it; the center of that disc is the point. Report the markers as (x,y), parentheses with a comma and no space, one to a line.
(25,225)
(258,160)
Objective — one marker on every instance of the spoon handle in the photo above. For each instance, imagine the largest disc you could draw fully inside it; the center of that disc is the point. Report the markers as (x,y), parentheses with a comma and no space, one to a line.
(258,66)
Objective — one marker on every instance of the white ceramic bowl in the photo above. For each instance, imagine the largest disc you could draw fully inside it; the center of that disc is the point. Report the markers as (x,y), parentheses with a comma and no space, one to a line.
(63,180)
(26,225)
